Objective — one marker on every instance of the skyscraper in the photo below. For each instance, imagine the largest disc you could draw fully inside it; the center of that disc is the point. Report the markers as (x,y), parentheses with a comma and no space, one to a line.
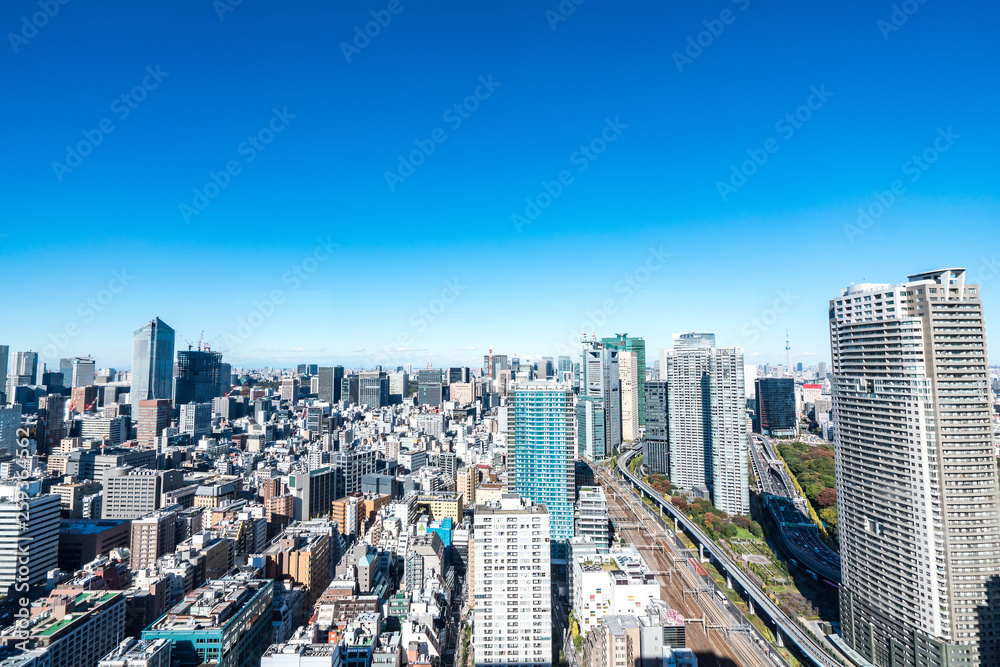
(625,343)
(628,375)
(511,590)
(29,522)
(429,387)
(84,372)
(540,452)
(4,358)
(197,376)
(917,475)
(599,408)
(775,415)
(373,390)
(152,363)
(26,364)
(656,443)
(326,384)
(707,422)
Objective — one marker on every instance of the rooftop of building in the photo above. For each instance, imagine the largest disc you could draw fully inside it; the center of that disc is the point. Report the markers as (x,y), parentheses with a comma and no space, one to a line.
(88,526)
(212,606)
(61,610)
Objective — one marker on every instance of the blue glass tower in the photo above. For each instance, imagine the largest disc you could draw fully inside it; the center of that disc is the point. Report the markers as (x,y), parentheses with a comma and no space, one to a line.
(541,418)
(152,363)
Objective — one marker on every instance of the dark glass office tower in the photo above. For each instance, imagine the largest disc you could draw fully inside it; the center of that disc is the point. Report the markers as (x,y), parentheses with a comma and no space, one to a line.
(775,414)
(197,376)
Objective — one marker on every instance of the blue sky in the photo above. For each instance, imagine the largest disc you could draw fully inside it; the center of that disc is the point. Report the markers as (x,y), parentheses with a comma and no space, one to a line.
(622,123)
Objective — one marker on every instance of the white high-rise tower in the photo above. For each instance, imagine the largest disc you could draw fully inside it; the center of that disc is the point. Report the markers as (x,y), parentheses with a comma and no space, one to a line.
(917,494)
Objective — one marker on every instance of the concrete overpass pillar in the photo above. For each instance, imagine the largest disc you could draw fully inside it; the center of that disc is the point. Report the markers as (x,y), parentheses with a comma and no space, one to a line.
(750,606)
(777,637)
(701,552)
(729,582)
(675,525)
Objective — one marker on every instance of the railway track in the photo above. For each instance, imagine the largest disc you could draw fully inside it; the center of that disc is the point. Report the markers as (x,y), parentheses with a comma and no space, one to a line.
(711,630)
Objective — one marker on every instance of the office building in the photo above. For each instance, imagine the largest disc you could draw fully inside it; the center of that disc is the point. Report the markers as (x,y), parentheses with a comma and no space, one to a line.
(4,366)
(493,364)
(312,492)
(626,343)
(29,522)
(10,423)
(152,363)
(153,417)
(26,364)
(198,376)
(656,443)
(430,387)
(776,415)
(512,584)
(302,557)
(289,390)
(399,387)
(226,623)
(330,378)
(225,378)
(71,628)
(917,488)
(707,422)
(373,390)
(540,453)
(349,466)
(83,540)
(599,409)
(614,582)
(153,536)
(196,419)
(84,371)
(52,409)
(350,389)
(134,493)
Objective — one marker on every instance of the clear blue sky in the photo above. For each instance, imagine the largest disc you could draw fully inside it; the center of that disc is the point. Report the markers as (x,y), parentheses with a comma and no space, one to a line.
(673,125)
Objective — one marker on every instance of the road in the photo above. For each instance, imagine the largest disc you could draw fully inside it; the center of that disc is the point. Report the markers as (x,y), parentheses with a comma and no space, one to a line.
(728,639)
(805,646)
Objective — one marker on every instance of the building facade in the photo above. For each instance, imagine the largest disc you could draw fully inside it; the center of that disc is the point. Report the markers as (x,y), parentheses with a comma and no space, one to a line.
(916,472)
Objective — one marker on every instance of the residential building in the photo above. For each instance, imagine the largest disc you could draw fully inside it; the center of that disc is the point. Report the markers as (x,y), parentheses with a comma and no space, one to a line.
(591,516)
(153,536)
(707,422)
(512,584)
(917,494)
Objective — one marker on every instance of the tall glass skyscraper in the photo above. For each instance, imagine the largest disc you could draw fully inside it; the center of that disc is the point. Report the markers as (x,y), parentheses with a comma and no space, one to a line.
(625,343)
(917,489)
(152,363)
(599,430)
(540,418)
(775,415)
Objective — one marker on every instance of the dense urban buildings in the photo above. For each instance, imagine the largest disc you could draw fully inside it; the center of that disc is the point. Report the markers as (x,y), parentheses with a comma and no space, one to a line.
(917,487)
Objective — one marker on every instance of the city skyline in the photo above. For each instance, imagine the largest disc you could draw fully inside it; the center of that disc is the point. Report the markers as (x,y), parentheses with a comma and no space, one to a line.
(313,208)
